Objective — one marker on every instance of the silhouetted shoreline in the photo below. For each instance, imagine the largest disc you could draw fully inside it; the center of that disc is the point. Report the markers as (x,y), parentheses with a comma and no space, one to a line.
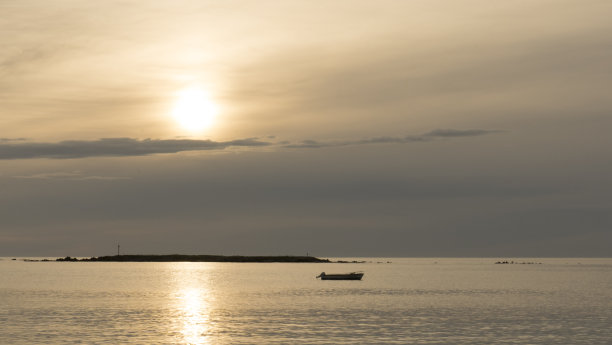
(517,263)
(198,258)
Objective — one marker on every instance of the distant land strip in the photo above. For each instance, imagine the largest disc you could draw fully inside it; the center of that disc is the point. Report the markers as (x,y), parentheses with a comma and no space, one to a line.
(197,258)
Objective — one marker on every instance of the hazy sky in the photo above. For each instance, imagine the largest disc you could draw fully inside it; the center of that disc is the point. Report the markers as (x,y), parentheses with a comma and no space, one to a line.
(337,128)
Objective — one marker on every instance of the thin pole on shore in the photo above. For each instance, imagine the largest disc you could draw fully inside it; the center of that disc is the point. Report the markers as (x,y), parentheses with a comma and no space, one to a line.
(118,247)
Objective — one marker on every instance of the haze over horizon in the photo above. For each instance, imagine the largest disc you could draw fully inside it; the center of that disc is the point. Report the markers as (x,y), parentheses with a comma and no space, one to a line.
(344,128)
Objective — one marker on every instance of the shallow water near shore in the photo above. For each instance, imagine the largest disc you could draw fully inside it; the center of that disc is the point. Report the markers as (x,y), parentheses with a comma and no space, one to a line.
(406,301)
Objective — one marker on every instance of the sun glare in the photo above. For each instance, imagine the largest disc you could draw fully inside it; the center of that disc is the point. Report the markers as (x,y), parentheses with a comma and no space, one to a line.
(194,110)
(193,303)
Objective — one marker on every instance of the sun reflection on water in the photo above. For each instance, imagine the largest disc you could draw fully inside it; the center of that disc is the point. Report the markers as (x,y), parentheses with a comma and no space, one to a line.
(192,305)
(195,317)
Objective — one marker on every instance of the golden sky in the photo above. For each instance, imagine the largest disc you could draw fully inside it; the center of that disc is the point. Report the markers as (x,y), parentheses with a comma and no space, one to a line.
(388,99)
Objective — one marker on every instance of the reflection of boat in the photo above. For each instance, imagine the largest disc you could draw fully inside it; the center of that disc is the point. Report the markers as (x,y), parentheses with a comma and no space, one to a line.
(341,276)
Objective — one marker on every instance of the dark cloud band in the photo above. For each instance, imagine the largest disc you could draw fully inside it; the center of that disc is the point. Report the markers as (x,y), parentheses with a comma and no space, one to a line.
(121,147)
(117,147)
(438,133)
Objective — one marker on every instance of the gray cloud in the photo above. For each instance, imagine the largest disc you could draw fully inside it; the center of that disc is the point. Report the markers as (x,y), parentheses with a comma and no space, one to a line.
(3,140)
(71,175)
(119,147)
(438,133)
(449,133)
(116,147)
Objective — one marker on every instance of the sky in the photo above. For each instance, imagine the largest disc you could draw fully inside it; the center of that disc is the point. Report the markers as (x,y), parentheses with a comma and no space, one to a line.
(335,128)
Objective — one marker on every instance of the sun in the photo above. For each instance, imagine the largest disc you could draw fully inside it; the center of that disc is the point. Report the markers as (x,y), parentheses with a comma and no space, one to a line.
(194,110)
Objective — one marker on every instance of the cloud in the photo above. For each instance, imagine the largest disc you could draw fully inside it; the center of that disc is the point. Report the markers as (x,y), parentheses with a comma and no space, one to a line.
(438,133)
(3,140)
(116,147)
(73,175)
(122,147)
(451,133)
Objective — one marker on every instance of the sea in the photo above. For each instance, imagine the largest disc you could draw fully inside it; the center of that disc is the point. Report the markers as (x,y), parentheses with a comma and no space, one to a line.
(399,301)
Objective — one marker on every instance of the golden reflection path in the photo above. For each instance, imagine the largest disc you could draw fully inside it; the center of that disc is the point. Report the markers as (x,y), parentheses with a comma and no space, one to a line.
(192,301)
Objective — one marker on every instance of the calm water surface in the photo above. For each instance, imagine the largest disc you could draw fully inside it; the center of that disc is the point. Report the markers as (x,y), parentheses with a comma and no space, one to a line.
(407,301)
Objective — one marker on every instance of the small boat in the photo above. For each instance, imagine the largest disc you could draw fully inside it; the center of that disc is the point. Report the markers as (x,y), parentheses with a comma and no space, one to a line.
(341,276)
